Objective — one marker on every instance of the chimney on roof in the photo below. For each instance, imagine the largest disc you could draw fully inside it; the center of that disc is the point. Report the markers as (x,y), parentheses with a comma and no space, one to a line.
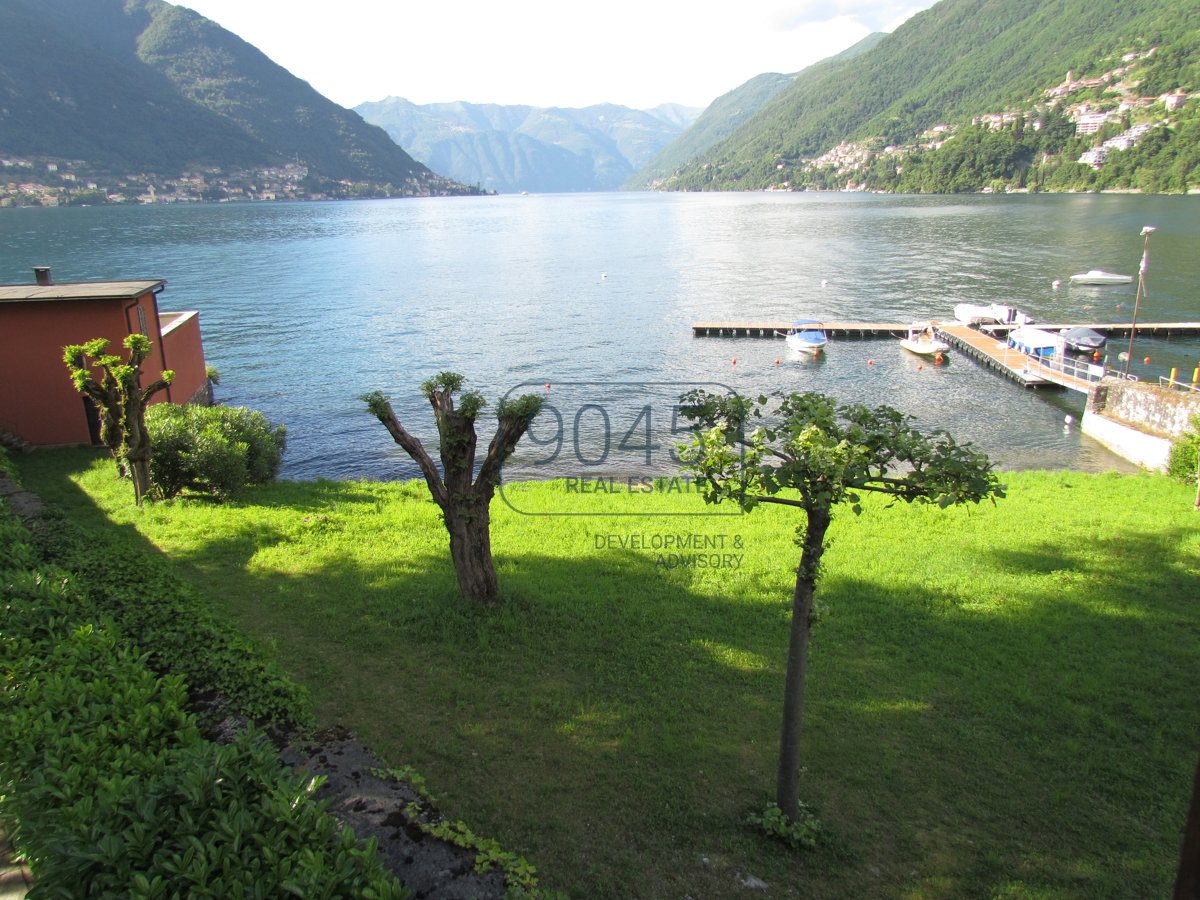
(41,275)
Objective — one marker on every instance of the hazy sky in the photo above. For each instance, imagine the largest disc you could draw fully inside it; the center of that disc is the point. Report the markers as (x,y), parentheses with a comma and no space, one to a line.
(549,52)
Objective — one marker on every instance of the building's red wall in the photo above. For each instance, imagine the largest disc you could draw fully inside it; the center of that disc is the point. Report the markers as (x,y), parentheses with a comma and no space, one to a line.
(184,353)
(38,402)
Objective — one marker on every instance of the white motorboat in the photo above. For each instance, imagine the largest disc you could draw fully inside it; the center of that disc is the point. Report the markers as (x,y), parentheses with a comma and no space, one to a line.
(1098,276)
(974,314)
(922,340)
(991,314)
(806,336)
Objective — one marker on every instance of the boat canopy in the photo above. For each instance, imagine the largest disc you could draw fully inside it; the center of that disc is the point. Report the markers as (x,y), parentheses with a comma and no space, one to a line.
(1035,341)
(1083,339)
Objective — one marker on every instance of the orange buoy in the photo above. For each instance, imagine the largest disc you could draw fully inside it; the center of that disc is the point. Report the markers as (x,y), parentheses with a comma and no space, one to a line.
(938,359)
(870,362)
(733,362)
(776,362)
(547,385)
(1146,360)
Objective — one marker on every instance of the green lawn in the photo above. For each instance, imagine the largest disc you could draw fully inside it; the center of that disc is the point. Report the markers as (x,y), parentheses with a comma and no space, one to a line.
(1002,700)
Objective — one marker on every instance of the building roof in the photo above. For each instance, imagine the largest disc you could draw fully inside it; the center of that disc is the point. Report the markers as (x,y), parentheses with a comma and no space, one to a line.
(88,290)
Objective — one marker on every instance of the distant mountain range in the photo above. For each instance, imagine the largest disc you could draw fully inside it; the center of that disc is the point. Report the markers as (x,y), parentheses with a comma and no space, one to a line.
(528,148)
(129,86)
(144,101)
(727,113)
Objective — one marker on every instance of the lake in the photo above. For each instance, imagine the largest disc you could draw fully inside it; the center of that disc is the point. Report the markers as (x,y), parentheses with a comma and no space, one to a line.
(306,306)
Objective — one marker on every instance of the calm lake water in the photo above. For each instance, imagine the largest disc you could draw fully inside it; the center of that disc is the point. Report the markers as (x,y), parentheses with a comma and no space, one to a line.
(306,306)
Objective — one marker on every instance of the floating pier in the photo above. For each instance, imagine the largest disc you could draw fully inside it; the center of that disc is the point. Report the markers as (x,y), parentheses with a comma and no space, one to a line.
(1027,371)
(894,329)
(776,329)
(986,344)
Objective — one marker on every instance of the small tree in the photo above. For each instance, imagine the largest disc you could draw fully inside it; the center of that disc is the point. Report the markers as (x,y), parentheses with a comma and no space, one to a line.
(120,401)
(821,455)
(464,497)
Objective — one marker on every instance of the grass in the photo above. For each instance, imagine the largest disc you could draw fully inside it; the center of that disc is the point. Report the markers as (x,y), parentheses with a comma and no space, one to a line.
(1001,699)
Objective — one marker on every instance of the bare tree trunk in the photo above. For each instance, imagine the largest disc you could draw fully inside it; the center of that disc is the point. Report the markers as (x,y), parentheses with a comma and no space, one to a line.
(1187,881)
(787,791)
(471,553)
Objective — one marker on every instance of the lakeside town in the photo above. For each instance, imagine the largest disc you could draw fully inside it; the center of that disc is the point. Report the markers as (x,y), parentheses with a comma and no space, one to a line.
(1097,106)
(40,181)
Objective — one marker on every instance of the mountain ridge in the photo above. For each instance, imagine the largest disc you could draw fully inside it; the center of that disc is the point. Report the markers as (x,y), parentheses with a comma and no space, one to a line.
(948,63)
(512,148)
(126,86)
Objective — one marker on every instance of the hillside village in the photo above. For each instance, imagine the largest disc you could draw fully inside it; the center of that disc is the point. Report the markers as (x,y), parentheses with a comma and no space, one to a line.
(1095,105)
(37,181)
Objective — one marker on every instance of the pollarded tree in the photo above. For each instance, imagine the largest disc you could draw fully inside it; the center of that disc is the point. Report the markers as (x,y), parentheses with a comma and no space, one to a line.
(121,401)
(464,497)
(813,454)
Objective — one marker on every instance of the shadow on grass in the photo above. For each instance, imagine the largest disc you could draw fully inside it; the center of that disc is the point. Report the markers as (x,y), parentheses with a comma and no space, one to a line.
(615,721)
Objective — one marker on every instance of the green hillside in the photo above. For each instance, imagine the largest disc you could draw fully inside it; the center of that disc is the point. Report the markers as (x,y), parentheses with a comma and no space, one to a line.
(956,60)
(725,114)
(129,86)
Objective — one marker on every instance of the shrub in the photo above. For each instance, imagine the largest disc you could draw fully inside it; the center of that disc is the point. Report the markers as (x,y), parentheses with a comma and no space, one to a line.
(216,449)
(163,616)
(108,787)
(1185,453)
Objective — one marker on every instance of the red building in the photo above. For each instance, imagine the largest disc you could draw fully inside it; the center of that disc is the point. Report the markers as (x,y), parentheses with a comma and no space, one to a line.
(38,402)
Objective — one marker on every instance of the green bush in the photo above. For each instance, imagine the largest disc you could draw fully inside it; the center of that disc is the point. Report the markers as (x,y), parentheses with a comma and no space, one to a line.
(216,449)
(108,787)
(164,617)
(1185,453)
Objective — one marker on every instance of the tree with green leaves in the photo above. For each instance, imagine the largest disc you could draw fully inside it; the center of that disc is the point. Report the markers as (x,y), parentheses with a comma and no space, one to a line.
(120,400)
(810,453)
(463,496)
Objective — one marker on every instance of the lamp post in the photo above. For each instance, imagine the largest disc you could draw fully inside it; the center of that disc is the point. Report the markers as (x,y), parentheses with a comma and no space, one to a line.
(1141,291)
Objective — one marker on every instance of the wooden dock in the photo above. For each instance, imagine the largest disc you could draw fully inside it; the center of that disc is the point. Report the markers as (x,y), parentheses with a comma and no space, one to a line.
(986,344)
(1146,329)
(1020,367)
(900,329)
(777,329)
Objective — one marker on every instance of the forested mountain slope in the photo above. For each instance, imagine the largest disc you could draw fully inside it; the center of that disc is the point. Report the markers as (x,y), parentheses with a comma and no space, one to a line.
(145,86)
(957,60)
(725,114)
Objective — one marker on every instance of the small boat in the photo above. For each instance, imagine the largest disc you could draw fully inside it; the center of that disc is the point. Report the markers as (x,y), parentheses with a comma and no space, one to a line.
(1035,342)
(973,314)
(807,336)
(1083,340)
(991,314)
(1098,276)
(923,340)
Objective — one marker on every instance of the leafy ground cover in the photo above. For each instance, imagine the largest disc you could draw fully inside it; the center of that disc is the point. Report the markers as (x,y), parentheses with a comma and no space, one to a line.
(1001,699)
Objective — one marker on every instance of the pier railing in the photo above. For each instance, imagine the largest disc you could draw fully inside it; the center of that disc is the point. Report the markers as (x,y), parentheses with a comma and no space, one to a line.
(1073,373)
(1174,384)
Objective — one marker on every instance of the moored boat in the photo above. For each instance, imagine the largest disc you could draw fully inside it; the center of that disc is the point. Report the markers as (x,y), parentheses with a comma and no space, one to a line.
(1035,342)
(990,314)
(806,336)
(1083,340)
(922,340)
(1099,276)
